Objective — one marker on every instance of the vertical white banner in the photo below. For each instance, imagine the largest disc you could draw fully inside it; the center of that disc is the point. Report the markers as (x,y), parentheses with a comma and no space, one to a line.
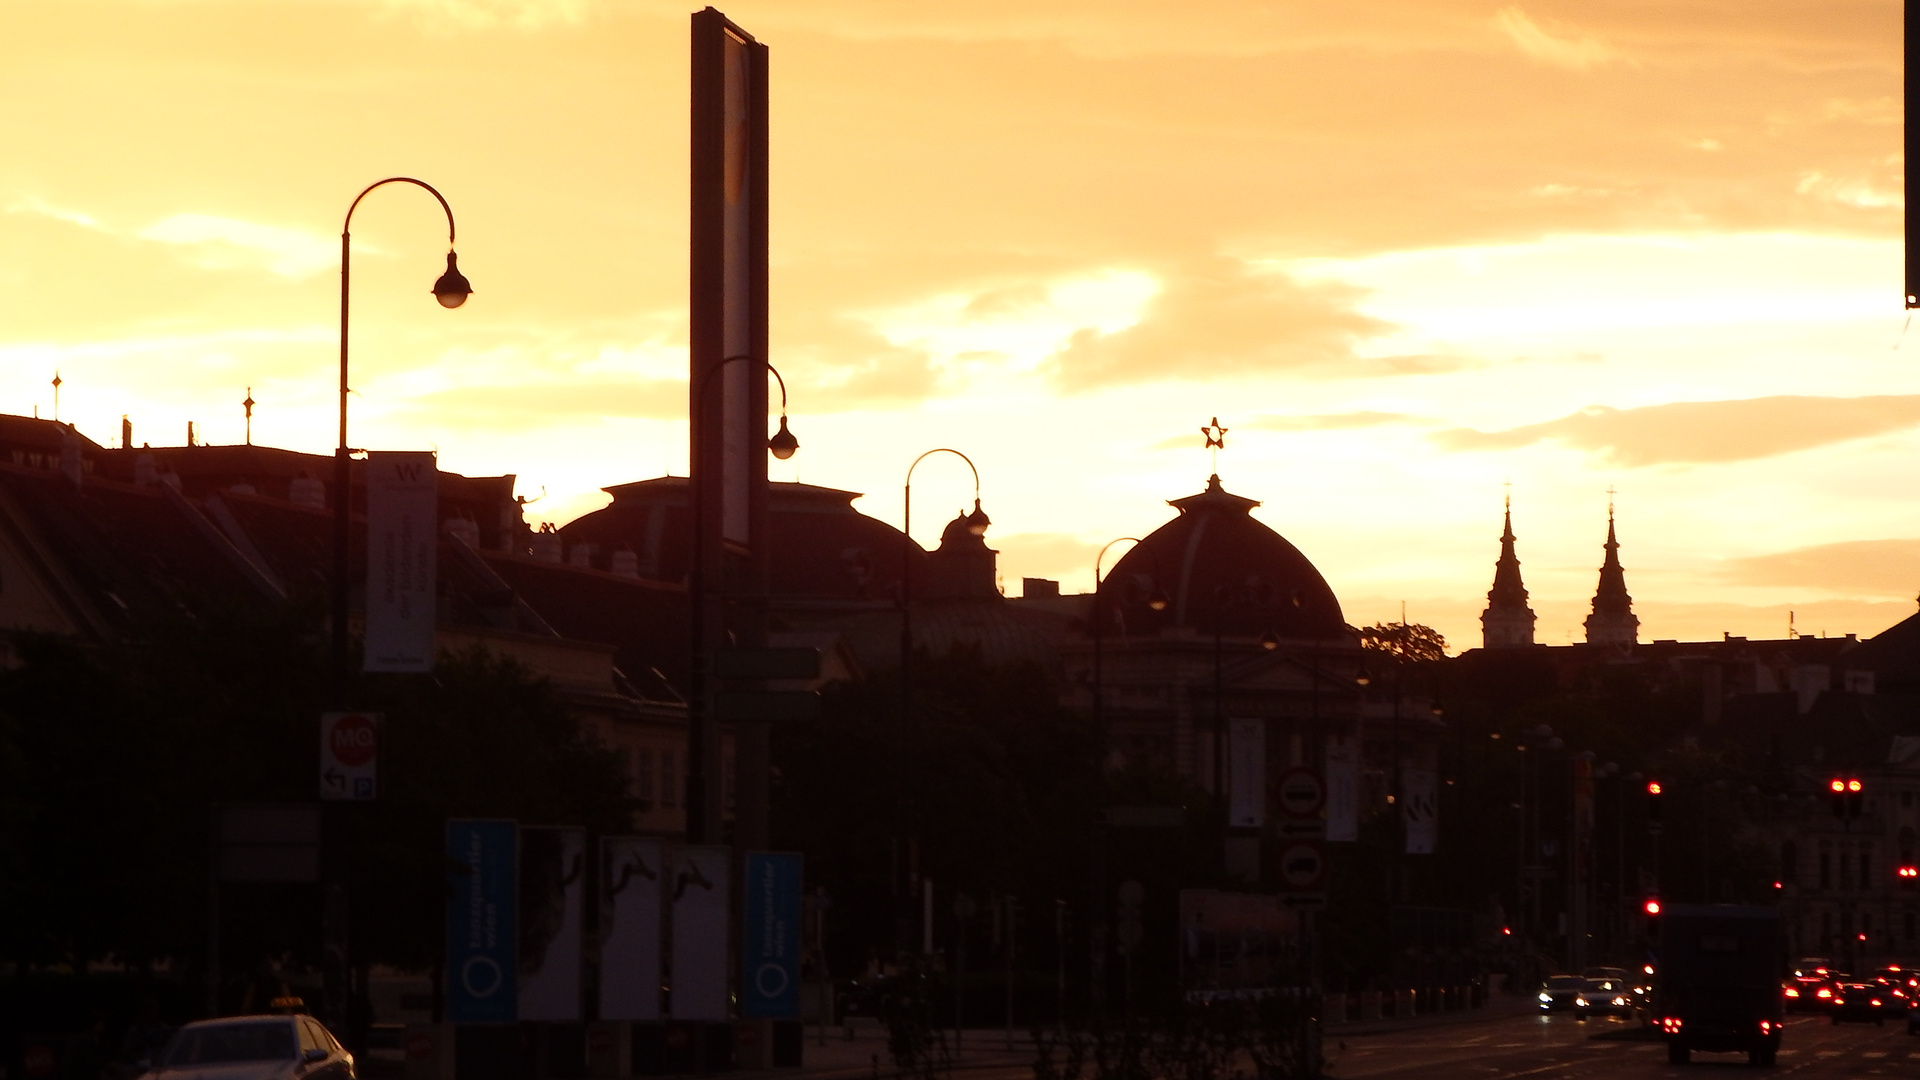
(1420,810)
(1246,773)
(401,535)
(553,865)
(700,895)
(632,885)
(1343,789)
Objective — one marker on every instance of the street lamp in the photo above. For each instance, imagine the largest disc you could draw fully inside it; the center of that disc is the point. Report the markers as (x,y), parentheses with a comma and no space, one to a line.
(781,445)
(452,290)
(977,523)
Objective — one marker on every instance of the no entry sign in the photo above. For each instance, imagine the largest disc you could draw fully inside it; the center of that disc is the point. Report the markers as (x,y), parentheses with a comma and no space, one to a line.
(1302,792)
(349,755)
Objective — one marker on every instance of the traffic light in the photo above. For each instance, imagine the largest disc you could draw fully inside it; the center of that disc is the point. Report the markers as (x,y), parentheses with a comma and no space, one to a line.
(1653,800)
(1651,908)
(1909,874)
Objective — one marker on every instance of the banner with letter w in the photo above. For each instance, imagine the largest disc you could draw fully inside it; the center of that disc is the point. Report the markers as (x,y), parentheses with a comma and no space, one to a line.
(402,505)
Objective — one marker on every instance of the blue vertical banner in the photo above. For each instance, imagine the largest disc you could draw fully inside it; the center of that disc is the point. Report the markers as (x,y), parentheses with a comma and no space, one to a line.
(770,943)
(482,921)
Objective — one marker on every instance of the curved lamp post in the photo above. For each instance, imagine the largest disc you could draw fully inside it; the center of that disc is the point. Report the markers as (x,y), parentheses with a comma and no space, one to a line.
(452,290)
(977,523)
(781,445)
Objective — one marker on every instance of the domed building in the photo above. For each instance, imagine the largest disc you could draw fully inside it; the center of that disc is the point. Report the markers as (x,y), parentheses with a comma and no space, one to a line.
(1215,637)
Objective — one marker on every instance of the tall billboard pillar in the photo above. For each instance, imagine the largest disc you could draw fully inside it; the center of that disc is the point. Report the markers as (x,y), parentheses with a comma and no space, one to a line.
(727,406)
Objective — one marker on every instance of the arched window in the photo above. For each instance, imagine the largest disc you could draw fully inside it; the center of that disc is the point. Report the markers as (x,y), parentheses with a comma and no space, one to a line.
(1789,862)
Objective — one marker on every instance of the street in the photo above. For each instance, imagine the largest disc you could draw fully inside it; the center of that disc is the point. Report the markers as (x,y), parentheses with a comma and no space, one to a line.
(1559,1046)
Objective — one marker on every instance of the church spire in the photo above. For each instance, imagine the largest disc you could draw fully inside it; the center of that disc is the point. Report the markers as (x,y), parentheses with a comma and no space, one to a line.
(1613,621)
(1508,620)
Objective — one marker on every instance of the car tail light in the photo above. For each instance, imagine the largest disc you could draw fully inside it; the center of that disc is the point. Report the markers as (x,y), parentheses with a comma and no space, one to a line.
(1670,1025)
(1875,1003)
(1791,992)
(1824,992)
(1766,1026)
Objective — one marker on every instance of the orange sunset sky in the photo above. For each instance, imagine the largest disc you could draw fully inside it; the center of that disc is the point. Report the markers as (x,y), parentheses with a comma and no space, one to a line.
(1406,250)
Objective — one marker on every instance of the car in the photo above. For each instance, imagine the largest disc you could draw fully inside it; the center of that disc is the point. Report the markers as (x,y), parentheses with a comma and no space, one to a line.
(1913,1017)
(1864,1002)
(1558,992)
(253,1048)
(1603,996)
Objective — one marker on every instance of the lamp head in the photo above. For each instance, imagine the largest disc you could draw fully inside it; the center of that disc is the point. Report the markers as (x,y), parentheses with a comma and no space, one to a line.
(978,521)
(1157,600)
(783,444)
(452,289)
(1269,641)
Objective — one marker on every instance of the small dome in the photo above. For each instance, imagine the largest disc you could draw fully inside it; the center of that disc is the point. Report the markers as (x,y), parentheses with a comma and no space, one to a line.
(1219,567)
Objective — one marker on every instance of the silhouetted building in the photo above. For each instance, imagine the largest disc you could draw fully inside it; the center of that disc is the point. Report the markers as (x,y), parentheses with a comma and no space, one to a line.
(1613,621)
(1508,621)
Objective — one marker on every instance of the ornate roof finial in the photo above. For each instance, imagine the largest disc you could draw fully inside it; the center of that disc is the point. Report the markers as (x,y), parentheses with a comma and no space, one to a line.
(56,395)
(1216,442)
(248,405)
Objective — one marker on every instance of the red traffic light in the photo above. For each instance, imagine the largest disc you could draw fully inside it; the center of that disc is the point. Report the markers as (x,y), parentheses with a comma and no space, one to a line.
(1837,785)
(1910,872)
(1652,906)
(1853,787)
(1653,787)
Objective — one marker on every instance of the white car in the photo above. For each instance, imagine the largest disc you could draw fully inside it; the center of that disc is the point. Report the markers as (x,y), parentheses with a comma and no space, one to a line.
(253,1048)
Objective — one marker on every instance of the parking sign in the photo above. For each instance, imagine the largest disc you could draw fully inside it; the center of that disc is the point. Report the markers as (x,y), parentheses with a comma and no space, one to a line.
(349,755)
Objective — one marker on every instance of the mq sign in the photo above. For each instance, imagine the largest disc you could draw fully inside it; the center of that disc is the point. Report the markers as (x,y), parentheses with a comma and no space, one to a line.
(349,755)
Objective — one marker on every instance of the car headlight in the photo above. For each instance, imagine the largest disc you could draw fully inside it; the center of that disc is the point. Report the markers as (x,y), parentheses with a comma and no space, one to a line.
(1544,996)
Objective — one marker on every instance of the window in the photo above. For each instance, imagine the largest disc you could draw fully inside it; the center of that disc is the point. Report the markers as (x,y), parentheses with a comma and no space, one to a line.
(1866,863)
(1826,869)
(1908,926)
(1789,863)
(643,776)
(1846,869)
(669,780)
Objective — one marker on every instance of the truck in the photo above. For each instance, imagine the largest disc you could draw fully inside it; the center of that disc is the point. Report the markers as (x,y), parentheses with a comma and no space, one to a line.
(1719,973)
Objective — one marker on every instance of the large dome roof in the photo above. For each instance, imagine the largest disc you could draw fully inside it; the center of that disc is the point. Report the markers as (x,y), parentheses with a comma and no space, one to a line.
(1221,568)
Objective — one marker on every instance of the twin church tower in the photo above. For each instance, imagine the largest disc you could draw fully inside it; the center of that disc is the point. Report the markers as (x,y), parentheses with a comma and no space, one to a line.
(1508,621)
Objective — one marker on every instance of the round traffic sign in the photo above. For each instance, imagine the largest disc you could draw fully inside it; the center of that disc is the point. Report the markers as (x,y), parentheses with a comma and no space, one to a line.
(1302,865)
(354,740)
(1302,792)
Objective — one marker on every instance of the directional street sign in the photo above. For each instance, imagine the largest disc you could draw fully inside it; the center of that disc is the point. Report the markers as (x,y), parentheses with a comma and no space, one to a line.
(765,706)
(767,663)
(1302,901)
(1302,792)
(1144,817)
(349,755)
(1303,866)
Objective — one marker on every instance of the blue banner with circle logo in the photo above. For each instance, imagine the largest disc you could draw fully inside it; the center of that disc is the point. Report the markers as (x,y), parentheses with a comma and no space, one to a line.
(482,922)
(770,943)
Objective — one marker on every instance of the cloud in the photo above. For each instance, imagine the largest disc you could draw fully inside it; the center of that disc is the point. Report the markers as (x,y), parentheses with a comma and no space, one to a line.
(1571,50)
(1333,421)
(657,399)
(1218,319)
(1886,569)
(492,14)
(1691,432)
(221,243)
